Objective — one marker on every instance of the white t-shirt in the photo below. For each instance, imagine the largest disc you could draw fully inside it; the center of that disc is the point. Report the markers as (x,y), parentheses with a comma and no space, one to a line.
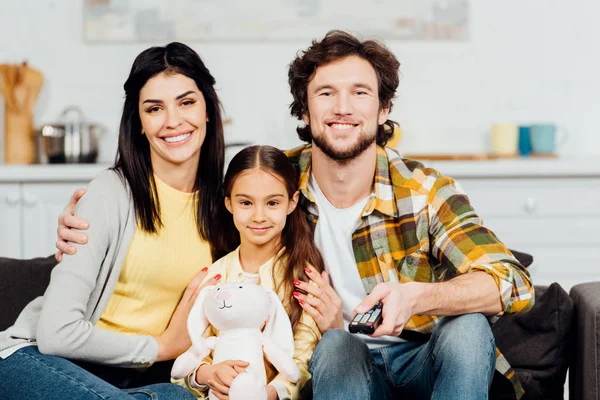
(333,236)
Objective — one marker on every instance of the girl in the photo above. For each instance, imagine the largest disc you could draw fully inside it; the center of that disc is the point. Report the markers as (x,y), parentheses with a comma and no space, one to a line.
(120,304)
(271,245)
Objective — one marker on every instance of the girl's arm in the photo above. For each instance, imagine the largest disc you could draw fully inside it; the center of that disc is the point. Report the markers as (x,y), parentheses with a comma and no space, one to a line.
(64,328)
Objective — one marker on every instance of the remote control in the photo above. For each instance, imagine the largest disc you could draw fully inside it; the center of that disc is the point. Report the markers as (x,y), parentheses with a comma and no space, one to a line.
(366,322)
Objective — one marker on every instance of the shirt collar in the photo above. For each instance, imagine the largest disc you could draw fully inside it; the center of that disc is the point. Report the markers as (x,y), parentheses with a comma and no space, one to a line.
(382,195)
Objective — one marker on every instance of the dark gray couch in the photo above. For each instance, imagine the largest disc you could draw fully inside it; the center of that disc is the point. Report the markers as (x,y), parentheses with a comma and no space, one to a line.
(560,331)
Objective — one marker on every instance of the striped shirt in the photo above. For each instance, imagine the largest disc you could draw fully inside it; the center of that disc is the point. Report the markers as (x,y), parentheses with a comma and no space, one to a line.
(418,226)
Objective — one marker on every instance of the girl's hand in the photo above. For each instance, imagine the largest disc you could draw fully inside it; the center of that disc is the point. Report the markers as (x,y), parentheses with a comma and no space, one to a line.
(272,393)
(175,340)
(220,376)
(325,306)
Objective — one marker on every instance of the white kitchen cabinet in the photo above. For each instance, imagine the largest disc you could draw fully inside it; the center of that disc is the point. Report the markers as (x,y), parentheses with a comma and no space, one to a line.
(547,208)
(42,203)
(10,220)
(31,199)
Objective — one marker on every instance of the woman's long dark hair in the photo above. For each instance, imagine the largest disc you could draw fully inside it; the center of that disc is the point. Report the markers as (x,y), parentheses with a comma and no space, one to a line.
(133,154)
(296,237)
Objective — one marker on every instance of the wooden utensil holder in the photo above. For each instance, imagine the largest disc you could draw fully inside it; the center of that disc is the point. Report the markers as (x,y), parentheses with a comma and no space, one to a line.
(19,144)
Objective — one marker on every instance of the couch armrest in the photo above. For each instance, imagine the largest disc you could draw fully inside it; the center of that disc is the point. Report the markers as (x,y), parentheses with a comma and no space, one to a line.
(20,282)
(584,375)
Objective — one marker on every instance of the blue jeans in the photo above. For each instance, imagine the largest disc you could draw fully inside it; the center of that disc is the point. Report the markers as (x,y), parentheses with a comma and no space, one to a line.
(28,374)
(457,362)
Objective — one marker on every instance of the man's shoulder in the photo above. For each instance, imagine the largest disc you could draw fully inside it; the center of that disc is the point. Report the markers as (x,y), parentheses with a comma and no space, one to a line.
(413,174)
(295,153)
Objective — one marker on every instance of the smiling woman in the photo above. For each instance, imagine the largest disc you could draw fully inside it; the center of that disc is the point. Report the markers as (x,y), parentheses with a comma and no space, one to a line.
(114,315)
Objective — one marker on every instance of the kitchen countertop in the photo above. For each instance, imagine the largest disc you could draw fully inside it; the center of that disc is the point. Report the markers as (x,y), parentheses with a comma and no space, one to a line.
(50,172)
(583,166)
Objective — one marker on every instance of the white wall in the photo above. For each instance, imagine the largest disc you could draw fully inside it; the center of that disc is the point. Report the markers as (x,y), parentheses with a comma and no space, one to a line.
(527,60)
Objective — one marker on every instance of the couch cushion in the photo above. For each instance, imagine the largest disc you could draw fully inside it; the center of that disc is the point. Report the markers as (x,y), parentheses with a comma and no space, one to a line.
(20,282)
(538,345)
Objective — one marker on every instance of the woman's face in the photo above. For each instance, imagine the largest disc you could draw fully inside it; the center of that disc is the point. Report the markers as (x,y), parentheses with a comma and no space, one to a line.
(173,116)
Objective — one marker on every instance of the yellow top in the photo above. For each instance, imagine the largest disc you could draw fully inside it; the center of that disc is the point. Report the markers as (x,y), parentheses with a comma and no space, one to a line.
(157,268)
(306,335)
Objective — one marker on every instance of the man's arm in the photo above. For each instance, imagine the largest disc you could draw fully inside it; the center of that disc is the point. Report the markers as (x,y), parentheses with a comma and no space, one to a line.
(465,294)
(66,221)
(486,279)
(464,246)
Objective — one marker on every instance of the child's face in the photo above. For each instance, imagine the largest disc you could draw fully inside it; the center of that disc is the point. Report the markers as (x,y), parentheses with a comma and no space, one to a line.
(260,204)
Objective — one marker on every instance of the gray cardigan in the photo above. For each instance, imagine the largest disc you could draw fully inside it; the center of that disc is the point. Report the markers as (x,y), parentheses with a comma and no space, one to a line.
(62,321)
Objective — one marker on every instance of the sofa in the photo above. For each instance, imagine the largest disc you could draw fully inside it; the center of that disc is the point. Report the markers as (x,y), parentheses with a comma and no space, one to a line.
(561,331)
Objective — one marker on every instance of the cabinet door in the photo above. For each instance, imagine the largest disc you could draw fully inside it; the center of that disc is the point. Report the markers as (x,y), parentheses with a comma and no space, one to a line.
(42,204)
(10,220)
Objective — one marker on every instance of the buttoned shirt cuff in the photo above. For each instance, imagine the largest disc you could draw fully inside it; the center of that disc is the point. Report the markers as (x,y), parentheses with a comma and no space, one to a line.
(192,379)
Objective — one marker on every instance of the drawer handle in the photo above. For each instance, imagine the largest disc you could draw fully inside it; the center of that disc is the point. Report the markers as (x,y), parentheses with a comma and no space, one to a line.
(12,198)
(29,199)
(530,205)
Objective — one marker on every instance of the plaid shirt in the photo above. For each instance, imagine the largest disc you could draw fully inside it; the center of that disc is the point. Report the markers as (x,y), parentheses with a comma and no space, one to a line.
(418,226)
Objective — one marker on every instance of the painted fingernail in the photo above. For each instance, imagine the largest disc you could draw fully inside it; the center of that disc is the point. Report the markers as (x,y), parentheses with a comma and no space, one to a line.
(308,270)
(296,294)
(296,283)
(204,269)
(217,277)
(300,301)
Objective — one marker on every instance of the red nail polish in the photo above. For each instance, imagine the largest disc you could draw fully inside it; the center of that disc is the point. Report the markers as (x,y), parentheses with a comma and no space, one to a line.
(308,270)
(300,301)
(296,283)
(296,294)
(217,277)
(204,269)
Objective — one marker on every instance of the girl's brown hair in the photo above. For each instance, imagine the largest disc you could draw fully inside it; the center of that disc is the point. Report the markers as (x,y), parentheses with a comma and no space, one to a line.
(297,239)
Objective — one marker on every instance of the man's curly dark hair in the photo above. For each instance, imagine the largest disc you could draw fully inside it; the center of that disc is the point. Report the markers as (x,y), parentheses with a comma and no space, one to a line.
(334,46)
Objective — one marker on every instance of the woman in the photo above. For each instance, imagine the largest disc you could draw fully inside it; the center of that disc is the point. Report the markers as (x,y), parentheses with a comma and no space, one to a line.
(114,315)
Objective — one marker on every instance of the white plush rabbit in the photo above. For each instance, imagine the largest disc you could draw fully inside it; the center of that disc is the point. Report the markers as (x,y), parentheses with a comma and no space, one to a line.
(238,311)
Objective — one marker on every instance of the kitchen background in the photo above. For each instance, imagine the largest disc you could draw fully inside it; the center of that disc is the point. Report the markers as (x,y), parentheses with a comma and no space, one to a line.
(523,61)
(520,62)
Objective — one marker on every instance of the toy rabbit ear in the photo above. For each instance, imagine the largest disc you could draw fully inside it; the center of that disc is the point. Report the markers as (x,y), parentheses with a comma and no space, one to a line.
(278,327)
(197,321)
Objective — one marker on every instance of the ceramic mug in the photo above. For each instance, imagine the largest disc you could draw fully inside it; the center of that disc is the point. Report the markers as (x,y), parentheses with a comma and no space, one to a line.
(524,140)
(546,138)
(505,139)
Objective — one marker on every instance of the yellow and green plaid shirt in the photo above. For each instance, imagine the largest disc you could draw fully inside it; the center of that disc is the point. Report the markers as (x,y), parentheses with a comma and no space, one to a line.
(418,226)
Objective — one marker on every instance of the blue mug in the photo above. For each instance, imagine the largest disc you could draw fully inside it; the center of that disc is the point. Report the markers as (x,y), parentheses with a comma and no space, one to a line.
(546,138)
(524,140)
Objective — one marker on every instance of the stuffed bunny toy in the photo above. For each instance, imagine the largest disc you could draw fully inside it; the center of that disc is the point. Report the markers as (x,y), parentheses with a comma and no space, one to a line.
(238,311)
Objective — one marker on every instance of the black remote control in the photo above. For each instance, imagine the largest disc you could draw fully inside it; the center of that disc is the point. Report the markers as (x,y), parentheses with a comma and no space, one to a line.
(366,322)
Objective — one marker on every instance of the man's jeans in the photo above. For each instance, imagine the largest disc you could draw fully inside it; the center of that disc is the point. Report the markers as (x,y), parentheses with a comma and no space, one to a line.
(457,362)
(28,374)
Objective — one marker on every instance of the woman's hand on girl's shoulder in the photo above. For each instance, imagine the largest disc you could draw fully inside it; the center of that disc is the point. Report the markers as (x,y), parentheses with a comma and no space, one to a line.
(175,340)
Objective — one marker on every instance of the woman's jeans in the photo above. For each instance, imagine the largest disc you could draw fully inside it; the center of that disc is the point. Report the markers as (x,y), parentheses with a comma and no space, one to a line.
(28,374)
(457,362)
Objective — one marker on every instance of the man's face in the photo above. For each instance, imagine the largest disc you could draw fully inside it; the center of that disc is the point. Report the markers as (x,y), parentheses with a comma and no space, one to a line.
(343,107)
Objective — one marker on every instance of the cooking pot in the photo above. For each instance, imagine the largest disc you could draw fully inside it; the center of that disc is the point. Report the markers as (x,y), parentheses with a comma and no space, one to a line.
(71,140)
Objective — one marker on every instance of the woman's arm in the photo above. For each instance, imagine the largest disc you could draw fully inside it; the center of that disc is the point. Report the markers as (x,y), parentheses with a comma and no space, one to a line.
(64,328)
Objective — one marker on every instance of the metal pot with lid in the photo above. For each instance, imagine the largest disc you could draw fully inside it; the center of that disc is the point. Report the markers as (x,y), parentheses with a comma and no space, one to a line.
(71,140)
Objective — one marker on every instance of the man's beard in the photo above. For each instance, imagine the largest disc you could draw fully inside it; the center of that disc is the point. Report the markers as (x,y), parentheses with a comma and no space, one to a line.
(363,143)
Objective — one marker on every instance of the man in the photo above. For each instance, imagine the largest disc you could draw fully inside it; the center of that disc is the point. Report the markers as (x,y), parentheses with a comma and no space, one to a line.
(394,232)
